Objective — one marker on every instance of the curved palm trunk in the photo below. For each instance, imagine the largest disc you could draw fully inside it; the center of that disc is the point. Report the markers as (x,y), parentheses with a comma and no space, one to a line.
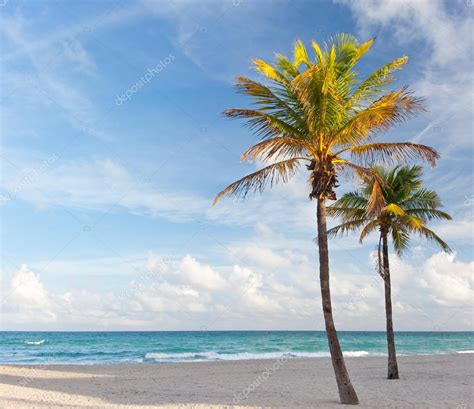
(347,393)
(392,354)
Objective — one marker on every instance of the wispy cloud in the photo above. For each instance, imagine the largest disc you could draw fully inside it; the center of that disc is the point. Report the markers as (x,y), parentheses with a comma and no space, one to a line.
(445,58)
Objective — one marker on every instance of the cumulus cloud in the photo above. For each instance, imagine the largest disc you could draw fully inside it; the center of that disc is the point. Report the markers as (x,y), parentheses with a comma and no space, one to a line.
(25,299)
(262,256)
(252,294)
(186,293)
(201,275)
(450,281)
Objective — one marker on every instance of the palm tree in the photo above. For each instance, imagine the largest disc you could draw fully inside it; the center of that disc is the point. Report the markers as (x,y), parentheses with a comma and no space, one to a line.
(406,207)
(320,112)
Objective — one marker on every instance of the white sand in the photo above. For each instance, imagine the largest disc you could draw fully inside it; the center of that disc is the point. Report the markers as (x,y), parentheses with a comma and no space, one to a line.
(443,381)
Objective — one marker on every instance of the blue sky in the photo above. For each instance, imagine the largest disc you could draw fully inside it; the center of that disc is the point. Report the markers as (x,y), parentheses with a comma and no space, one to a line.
(106,201)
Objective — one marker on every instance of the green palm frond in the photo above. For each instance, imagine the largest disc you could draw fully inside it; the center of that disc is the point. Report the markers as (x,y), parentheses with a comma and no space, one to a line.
(389,110)
(400,238)
(408,205)
(429,214)
(263,124)
(347,227)
(277,101)
(350,206)
(422,199)
(432,236)
(369,228)
(375,83)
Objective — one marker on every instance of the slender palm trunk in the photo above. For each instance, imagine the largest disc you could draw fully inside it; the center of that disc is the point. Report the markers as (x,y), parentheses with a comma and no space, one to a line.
(392,354)
(347,393)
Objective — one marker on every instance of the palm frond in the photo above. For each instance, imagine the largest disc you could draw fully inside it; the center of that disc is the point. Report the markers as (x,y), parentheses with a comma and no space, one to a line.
(432,236)
(352,200)
(361,171)
(400,238)
(422,199)
(374,84)
(429,214)
(269,71)
(285,65)
(394,209)
(321,59)
(389,110)
(300,55)
(346,228)
(376,201)
(411,222)
(368,228)
(274,101)
(263,124)
(257,181)
(275,148)
(393,152)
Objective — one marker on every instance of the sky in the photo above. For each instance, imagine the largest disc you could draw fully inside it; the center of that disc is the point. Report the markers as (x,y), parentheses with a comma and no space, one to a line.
(113,147)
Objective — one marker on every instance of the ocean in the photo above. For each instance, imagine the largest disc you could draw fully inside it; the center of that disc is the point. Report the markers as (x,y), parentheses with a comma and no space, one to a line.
(183,346)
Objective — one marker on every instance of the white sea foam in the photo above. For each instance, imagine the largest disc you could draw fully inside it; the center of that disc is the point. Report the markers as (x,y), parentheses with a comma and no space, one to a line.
(35,342)
(465,352)
(215,356)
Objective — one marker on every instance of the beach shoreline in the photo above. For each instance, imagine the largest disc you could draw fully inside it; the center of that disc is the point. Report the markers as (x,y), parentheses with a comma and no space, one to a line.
(431,381)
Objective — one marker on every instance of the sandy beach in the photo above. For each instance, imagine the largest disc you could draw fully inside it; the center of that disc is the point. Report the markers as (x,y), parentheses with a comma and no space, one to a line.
(442,381)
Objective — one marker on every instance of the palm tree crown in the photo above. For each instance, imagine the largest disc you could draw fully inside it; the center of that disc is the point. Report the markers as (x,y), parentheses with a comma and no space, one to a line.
(406,207)
(319,111)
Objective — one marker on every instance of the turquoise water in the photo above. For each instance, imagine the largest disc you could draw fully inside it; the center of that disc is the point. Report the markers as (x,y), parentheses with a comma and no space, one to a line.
(136,347)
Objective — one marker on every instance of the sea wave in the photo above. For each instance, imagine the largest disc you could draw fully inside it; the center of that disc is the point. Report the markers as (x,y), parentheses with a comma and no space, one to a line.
(40,342)
(239,356)
(465,352)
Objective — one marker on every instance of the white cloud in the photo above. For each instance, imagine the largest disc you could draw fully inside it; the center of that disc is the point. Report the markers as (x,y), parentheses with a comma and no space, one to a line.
(449,281)
(103,185)
(249,286)
(428,20)
(261,256)
(446,57)
(183,292)
(201,275)
(46,80)
(25,299)
(106,185)
(456,230)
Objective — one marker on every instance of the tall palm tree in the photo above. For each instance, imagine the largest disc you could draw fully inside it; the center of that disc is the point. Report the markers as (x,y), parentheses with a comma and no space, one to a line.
(320,112)
(406,207)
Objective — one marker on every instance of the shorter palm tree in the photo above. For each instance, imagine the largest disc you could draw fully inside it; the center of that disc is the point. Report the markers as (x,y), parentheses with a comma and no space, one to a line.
(392,203)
